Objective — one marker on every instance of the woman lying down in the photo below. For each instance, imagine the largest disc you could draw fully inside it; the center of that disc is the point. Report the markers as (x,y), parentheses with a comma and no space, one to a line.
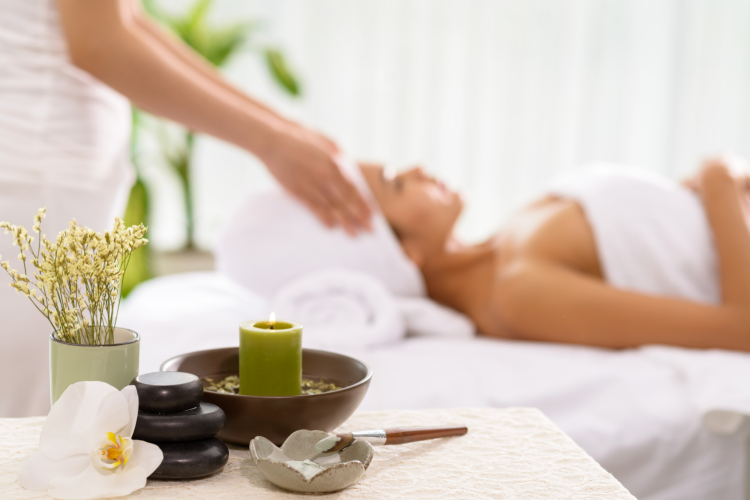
(611,257)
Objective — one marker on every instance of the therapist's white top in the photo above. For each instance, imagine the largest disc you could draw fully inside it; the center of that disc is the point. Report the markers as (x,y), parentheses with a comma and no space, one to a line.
(64,144)
(58,124)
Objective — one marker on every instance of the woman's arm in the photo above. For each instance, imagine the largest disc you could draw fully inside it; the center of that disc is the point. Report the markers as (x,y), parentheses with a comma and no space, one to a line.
(725,197)
(107,38)
(539,300)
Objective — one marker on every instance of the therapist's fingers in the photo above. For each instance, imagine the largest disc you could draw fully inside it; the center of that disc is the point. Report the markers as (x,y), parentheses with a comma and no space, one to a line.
(348,223)
(347,201)
(332,147)
(320,207)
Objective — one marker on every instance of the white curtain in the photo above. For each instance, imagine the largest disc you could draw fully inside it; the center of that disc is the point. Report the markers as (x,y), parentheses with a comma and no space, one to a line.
(497,96)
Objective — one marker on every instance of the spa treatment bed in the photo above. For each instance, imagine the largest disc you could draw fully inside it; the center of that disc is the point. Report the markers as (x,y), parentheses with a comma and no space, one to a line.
(667,422)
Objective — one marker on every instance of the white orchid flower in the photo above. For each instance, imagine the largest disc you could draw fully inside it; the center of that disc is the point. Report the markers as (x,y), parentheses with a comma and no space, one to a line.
(86,450)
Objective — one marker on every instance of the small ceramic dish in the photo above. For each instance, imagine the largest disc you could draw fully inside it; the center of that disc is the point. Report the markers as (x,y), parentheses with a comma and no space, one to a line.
(340,470)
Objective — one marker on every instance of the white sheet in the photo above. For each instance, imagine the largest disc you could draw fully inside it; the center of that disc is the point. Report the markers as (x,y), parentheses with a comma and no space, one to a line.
(637,412)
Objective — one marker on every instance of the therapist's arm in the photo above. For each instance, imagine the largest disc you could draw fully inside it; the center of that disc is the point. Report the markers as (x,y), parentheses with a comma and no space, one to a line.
(113,41)
(186,55)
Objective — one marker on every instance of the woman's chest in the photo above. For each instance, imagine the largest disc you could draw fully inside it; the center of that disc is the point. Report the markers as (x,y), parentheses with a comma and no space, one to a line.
(552,229)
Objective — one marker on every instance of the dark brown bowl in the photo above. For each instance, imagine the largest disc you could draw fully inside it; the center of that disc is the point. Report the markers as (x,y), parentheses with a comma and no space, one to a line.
(275,418)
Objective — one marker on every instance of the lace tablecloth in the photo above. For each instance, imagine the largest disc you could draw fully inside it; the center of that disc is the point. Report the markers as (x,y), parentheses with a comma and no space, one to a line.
(514,453)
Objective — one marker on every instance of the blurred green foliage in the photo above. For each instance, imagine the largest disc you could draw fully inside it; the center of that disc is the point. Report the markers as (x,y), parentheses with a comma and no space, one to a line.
(217,44)
(139,267)
(136,212)
(281,72)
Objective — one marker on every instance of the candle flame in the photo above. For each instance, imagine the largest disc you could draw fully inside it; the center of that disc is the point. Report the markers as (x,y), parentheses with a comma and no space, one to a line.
(272,319)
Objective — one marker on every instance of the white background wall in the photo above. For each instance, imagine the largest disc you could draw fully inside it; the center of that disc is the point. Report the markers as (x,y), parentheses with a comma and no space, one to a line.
(495,96)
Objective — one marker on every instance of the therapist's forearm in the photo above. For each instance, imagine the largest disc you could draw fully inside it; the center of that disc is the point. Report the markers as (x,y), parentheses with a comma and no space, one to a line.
(187,56)
(121,54)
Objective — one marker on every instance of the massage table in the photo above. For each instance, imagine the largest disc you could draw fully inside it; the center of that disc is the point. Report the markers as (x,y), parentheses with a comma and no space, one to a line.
(639,412)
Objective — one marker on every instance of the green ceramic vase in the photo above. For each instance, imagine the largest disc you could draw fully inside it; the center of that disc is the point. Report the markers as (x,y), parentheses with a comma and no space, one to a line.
(115,364)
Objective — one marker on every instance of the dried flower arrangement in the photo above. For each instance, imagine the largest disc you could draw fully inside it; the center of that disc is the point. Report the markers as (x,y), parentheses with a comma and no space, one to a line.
(78,277)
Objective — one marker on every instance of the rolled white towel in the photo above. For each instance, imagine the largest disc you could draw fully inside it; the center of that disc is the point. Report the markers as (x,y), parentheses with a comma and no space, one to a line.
(340,308)
(344,309)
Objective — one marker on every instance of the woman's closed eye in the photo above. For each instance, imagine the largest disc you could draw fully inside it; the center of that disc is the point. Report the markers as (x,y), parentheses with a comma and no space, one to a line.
(392,181)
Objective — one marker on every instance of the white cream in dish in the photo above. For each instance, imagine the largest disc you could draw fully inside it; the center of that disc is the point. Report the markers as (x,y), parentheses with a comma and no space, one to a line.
(305,467)
(326,444)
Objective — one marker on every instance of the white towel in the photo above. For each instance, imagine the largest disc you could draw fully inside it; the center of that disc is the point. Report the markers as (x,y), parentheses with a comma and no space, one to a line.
(651,233)
(341,309)
(274,239)
(344,309)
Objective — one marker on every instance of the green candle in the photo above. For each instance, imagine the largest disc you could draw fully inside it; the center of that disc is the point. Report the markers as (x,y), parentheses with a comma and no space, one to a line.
(270,358)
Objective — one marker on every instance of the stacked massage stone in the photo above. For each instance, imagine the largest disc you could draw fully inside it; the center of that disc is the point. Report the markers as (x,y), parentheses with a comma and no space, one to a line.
(172,416)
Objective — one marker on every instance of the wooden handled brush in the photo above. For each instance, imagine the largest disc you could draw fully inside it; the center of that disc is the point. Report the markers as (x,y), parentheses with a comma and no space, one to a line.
(381,437)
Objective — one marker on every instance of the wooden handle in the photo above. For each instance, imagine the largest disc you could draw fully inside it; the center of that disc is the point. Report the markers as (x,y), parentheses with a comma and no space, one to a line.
(411,434)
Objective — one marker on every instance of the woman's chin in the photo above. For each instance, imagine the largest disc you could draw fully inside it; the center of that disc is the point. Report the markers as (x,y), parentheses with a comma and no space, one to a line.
(458,202)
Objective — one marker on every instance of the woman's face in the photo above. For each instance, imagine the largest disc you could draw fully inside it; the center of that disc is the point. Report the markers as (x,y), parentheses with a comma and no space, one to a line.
(415,204)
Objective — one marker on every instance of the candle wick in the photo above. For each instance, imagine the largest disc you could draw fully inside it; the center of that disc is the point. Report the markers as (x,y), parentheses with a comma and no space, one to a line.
(272,327)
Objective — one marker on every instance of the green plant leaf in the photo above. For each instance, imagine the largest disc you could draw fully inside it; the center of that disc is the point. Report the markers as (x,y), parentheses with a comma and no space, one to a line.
(139,267)
(281,72)
(216,45)
(197,15)
(225,42)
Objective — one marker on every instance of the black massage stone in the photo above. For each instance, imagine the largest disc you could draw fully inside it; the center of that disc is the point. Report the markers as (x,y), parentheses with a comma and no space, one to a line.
(191,460)
(168,392)
(191,425)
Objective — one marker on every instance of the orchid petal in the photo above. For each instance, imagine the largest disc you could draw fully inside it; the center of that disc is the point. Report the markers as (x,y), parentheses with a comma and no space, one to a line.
(61,448)
(79,419)
(95,483)
(38,470)
(131,396)
(146,456)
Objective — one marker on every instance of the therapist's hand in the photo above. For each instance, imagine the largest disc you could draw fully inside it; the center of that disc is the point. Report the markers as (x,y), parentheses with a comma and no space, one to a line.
(305,163)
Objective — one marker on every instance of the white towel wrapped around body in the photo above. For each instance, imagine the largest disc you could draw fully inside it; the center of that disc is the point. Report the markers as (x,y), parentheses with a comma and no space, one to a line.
(652,234)
(344,309)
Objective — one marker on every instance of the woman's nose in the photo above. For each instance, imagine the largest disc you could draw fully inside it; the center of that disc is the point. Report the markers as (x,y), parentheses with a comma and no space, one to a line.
(418,172)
